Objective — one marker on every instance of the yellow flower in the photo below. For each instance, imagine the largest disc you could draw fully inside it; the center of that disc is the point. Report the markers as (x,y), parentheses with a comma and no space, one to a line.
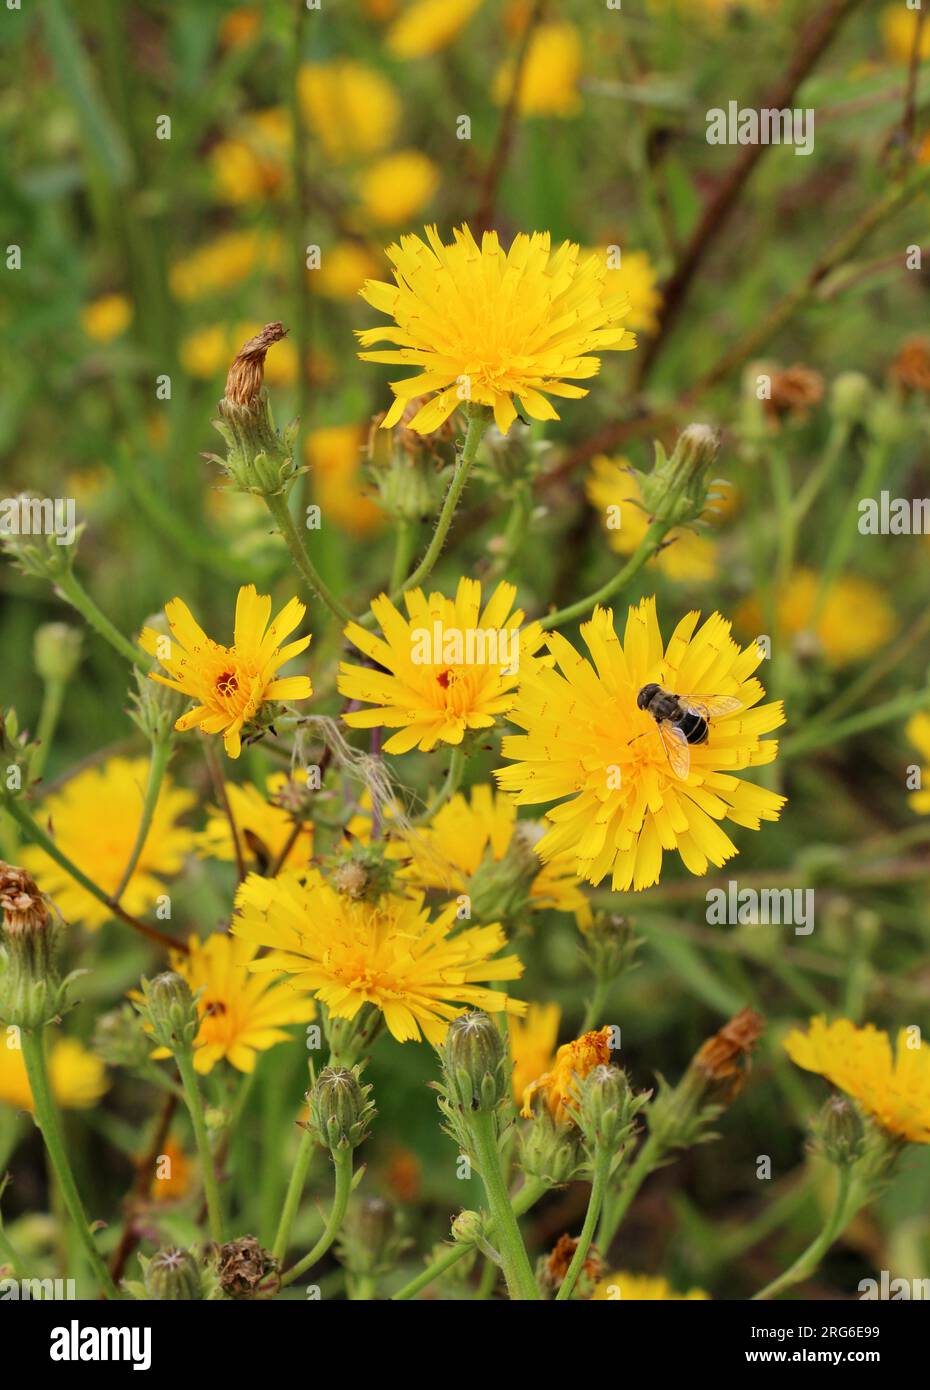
(396,188)
(856,618)
(425,26)
(899,24)
(532,1045)
(240,1015)
(918,731)
(616,494)
(225,261)
(95,819)
(573,1061)
(636,276)
(230,684)
(334,454)
(464,835)
(172,1176)
(352,109)
(551,72)
(106,318)
(428,687)
(507,324)
(419,973)
(587,739)
(263,824)
(251,166)
(636,1288)
(893,1089)
(344,268)
(77,1076)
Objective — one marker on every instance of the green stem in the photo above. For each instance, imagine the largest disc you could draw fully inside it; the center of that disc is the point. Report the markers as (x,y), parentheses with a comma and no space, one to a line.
(844,1206)
(595,1005)
(295,1190)
(342,1158)
(644,551)
(71,589)
(527,1197)
(478,422)
(40,837)
(194,1101)
(891,711)
(646,1160)
(404,541)
(517,1269)
(161,752)
(277,506)
(47,1120)
(602,1159)
(449,787)
(52,698)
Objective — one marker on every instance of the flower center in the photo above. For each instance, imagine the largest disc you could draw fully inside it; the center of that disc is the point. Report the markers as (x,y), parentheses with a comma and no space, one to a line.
(227,683)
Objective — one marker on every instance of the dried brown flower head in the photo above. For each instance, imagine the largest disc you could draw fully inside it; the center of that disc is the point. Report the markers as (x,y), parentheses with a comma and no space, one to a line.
(720,1059)
(553,1267)
(245,376)
(242,1265)
(794,390)
(911,367)
(24,906)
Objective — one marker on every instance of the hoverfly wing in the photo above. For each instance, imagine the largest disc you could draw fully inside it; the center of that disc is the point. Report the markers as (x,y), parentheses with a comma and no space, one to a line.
(713,706)
(677,749)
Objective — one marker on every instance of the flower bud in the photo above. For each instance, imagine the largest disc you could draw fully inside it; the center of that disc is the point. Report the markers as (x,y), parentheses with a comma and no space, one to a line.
(167,1007)
(676,490)
(32,992)
(499,889)
(839,1132)
(474,1062)
(551,1269)
(405,469)
(340,1111)
(259,457)
(120,1039)
(850,396)
(469,1228)
(607,1109)
(155,708)
(243,1266)
(34,549)
(173,1274)
(57,649)
(550,1152)
(608,945)
(362,872)
(370,1240)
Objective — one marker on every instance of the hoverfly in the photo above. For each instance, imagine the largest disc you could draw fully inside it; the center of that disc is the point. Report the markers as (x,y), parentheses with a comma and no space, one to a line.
(683,721)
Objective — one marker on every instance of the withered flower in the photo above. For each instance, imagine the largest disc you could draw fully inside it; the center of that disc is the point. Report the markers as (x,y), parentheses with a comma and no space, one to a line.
(246,375)
(794,391)
(911,367)
(719,1062)
(242,1266)
(552,1268)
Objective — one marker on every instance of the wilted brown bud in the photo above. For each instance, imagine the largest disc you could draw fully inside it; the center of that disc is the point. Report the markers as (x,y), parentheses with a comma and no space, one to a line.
(794,391)
(245,376)
(24,907)
(552,1268)
(242,1266)
(719,1062)
(911,367)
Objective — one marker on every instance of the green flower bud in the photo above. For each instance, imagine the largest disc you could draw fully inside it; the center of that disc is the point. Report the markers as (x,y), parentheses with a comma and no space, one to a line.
(155,708)
(850,397)
(499,889)
(474,1061)
(370,1241)
(259,457)
(34,544)
(549,1151)
(340,1111)
(470,1228)
(173,1274)
(676,491)
(839,1132)
(608,946)
(168,1007)
(32,992)
(406,472)
(362,873)
(57,648)
(120,1039)
(607,1110)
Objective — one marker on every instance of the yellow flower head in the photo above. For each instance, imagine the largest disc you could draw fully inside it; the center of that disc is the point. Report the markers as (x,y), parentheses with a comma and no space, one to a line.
(573,1062)
(504,324)
(616,493)
(230,684)
(223,262)
(352,109)
(637,1288)
(466,834)
(77,1076)
(419,973)
(334,454)
(343,270)
(854,621)
(587,740)
(893,1088)
(918,731)
(448,666)
(251,165)
(426,26)
(172,1177)
(899,30)
(532,1045)
(636,276)
(106,318)
(240,1014)
(265,826)
(551,71)
(397,187)
(95,819)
